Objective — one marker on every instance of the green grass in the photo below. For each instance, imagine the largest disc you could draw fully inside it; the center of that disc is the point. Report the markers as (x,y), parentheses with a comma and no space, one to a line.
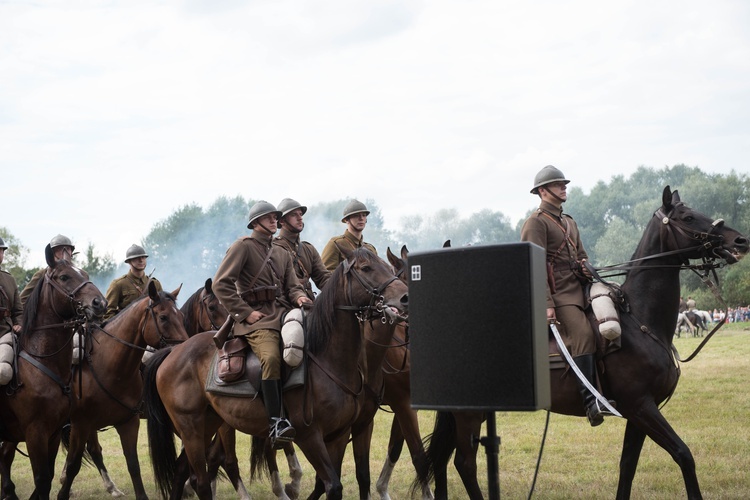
(709,410)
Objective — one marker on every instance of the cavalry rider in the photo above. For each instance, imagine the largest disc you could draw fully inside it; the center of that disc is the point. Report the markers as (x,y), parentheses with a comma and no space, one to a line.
(127,288)
(305,258)
(62,249)
(250,278)
(355,218)
(558,233)
(11,310)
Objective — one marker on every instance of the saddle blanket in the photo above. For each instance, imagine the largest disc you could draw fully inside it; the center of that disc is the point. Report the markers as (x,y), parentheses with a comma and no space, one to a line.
(244,388)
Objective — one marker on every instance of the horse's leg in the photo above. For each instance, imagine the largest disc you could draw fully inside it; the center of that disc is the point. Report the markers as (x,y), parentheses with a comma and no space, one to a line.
(227,437)
(95,452)
(361,439)
(468,428)
(395,445)
(76,448)
(316,453)
(42,449)
(650,420)
(128,432)
(632,445)
(295,471)
(7,454)
(408,424)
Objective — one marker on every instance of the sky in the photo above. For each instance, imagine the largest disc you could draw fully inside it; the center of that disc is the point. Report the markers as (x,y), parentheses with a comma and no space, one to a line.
(114,114)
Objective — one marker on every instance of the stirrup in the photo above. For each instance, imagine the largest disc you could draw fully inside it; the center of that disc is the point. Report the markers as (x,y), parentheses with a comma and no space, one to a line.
(596,412)
(281,432)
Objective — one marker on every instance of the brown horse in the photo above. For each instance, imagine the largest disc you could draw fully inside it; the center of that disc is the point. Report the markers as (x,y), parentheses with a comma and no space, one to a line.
(203,311)
(36,404)
(109,387)
(641,374)
(322,411)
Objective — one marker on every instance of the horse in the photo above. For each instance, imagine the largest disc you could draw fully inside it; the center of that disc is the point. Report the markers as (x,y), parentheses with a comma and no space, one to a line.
(641,374)
(204,312)
(378,335)
(322,410)
(109,386)
(36,404)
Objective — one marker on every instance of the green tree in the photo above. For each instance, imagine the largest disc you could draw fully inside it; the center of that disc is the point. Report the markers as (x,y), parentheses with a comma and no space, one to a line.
(100,268)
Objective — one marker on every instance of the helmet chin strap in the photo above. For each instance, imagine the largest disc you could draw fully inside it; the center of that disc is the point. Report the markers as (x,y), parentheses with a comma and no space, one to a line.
(293,229)
(560,200)
(265,228)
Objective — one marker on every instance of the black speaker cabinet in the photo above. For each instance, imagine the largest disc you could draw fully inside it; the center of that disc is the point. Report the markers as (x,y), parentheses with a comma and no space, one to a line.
(477,323)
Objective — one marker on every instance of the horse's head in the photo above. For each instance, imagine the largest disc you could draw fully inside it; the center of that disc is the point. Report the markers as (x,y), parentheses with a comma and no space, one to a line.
(371,282)
(696,235)
(398,263)
(71,292)
(163,324)
(212,313)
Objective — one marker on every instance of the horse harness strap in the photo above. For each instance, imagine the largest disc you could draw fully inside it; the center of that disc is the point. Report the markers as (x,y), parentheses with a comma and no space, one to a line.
(137,410)
(33,361)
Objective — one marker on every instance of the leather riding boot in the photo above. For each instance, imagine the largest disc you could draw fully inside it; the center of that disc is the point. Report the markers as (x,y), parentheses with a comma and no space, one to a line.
(281,430)
(594,411)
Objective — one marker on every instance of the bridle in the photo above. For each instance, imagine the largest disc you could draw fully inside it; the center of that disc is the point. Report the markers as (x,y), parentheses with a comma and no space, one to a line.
(204,308)
(376,307)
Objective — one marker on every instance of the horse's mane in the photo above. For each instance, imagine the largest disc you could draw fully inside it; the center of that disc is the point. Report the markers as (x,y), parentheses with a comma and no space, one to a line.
(30,309)
(187,309)
(162,295)
(320,321)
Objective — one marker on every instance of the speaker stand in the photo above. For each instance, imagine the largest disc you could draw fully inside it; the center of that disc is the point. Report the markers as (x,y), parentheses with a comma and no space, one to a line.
(491,443)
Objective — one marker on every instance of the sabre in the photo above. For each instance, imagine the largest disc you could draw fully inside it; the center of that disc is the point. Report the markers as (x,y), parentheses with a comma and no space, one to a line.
(578,373)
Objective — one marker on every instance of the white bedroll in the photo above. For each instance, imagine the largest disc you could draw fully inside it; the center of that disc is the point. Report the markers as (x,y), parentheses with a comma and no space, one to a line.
(293,337)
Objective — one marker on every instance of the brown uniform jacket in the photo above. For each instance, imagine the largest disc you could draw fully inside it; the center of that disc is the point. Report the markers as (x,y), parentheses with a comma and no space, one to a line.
(242,263)
(306,261)
(124,290)
(11,310)
(543,230)
(332,255)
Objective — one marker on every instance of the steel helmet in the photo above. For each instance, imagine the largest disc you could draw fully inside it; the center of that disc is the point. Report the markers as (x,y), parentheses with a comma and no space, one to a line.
(545,176)
(2,244)
(288,204)
(260,209)
(134,252)
(61,240)
(354,207)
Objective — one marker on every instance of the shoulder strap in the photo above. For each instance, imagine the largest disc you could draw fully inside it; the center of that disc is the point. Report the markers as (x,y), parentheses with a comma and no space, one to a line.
(265,261)
(566,235)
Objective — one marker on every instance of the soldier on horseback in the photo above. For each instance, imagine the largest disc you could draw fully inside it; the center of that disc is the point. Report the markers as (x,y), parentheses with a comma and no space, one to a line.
(250,279)
(355,218)
(62,248)
(305,258)
(128,287)
(10,302)
(558,233)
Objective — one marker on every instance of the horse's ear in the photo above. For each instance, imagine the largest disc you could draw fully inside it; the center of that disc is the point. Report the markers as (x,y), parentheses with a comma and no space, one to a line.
(666,197)
(177,291)
(404,253)
(391,257)
(209,283)
(152,292)
(347,265)
(49,255)
(447,244)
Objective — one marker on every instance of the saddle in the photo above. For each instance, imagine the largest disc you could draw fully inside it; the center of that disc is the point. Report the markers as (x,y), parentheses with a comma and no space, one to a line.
(235,371)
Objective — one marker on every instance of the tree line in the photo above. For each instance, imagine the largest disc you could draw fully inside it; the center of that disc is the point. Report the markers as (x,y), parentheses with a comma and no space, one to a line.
(188,245)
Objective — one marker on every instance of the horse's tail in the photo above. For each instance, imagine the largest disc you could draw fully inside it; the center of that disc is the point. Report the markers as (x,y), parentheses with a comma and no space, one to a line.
(258,458)
(65,442)
(160,428)
(439,447)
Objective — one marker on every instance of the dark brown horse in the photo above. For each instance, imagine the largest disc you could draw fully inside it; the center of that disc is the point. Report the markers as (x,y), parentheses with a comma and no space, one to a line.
(36,404)
(322,411)
(640,375)
(109,387)
(203,311)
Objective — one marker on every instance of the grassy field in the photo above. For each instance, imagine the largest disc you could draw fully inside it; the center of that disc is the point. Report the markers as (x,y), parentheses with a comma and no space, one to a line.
(709,410)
